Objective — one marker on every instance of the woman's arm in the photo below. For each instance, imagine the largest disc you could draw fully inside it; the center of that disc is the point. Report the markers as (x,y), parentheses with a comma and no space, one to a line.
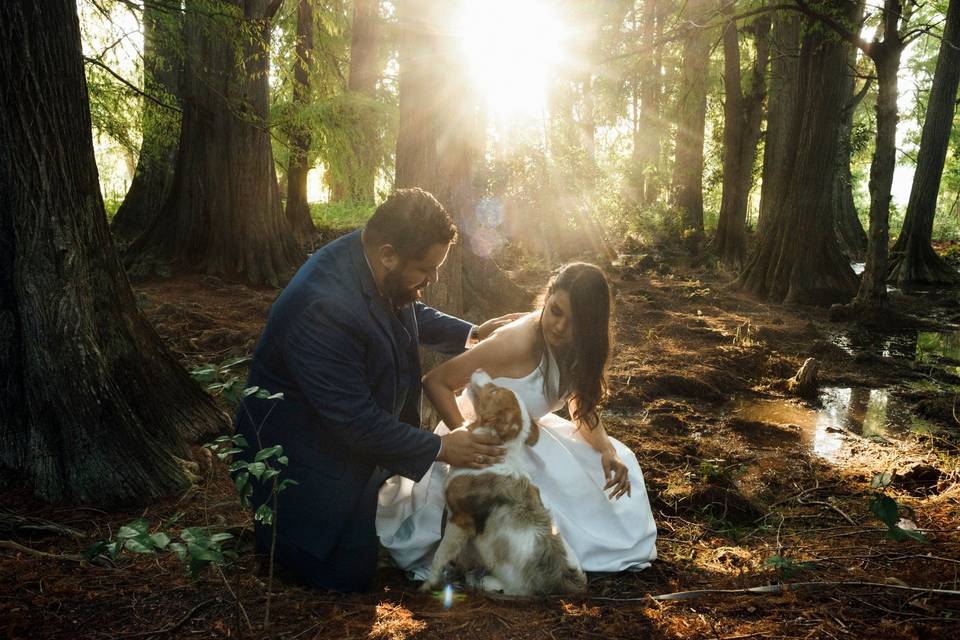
(508,352)
(614,471)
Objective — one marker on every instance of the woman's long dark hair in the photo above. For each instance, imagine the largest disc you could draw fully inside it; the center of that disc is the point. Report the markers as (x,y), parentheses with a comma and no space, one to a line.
(583,366)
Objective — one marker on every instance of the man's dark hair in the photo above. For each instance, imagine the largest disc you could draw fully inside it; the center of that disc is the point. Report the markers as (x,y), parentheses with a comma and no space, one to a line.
(412,221)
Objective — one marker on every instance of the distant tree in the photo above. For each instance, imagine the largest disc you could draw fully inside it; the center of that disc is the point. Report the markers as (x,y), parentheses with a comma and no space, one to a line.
(913,260)
(223,213)
(93,408)
(298,210)
(797,258)
(646,139)
(438,146)
(358,184)
(742,116)
(691,106)
(160,124)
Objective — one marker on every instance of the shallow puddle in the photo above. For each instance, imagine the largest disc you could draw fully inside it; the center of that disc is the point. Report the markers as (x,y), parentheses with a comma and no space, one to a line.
(937,348)
(869,413)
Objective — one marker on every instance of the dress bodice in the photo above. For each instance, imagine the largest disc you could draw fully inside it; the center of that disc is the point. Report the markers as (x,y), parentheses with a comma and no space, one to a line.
(539,400)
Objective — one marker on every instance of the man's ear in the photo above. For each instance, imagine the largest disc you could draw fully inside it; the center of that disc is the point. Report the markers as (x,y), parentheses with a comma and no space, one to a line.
(389,257)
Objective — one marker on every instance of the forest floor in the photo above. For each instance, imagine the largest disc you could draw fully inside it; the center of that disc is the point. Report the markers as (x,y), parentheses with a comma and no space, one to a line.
(749,486)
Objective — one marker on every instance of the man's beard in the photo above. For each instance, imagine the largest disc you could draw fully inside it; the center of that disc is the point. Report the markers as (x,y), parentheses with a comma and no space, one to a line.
(399,295)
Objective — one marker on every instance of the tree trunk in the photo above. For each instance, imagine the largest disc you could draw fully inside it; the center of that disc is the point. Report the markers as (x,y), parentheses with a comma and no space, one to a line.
(93,408)
(687,185)
(161,126)
(779,141)
(846,220)
(298,209)
(797,259)
(741,133)
(438,143)
(914,262)
(886,58)
(646,140)
(223,214)
(358,183)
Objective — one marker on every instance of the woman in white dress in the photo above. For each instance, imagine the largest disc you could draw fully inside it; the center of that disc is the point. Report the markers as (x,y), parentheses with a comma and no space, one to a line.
(590,482)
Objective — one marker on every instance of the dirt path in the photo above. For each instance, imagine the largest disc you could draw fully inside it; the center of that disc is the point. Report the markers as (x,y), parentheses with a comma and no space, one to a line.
(749,486)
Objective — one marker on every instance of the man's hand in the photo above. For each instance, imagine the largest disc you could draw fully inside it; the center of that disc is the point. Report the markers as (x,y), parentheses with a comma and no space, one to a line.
(493,324)
(616,474)
(462,448)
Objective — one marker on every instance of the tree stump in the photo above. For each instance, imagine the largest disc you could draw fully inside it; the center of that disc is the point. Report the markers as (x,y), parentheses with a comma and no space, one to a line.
(804,384)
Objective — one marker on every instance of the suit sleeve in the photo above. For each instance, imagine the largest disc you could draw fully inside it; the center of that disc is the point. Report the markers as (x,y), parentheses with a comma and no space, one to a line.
(324,352)
(440,332)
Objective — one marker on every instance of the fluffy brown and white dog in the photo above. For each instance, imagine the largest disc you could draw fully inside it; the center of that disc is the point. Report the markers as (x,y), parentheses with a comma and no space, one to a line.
(495,518)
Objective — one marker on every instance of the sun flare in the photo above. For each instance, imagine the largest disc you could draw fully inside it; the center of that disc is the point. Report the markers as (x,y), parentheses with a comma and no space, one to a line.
(513,49)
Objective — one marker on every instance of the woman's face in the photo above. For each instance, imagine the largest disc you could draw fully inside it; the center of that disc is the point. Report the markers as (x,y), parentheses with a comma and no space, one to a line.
(557,319)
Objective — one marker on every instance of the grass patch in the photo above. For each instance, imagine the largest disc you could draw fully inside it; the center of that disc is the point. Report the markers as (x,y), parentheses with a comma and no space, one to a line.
(340,215)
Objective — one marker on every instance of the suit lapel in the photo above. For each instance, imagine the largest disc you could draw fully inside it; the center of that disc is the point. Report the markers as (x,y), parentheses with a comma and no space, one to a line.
(375,302)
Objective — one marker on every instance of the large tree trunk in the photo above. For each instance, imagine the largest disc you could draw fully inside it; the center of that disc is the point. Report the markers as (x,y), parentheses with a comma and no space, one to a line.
(743,114)
(357,184)
(687,187)
(92,407)
(886,58)
(850,233)
(223,214)
(779,141)
(298,209)
(438,143)
(914,262)
(798,259)
(161,125)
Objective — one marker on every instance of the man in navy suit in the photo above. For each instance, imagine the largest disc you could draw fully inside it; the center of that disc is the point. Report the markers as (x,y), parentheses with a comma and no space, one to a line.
(341,344)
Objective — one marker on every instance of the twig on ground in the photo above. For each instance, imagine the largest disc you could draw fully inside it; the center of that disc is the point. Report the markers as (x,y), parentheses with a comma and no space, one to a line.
(832,506)
(15,546)
(173,627)
(13,522)
(775,589)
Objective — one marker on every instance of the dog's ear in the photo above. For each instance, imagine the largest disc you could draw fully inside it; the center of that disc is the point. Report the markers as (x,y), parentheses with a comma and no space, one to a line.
(534,434)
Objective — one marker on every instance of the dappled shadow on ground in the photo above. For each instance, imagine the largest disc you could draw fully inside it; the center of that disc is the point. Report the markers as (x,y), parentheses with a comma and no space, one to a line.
(742,494)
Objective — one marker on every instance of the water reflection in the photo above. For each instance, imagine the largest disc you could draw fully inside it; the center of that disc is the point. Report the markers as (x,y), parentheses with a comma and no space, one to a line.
(936,348)
(922,347)
(858,410)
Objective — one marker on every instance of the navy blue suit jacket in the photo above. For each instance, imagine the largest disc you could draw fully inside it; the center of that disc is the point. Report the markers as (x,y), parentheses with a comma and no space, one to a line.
(347,365)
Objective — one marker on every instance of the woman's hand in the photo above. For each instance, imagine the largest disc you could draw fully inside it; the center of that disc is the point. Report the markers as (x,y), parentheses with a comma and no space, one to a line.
(616,474)
(462,448)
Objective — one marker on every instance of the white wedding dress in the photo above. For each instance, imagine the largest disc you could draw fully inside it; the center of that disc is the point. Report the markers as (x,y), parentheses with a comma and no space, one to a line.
(606,535)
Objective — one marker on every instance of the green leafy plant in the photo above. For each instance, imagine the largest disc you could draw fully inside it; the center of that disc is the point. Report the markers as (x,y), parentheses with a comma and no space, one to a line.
(888,511)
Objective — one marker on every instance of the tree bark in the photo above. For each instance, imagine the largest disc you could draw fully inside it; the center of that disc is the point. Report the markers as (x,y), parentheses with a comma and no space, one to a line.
(93,408)
(687,187)
(850,233)
(161,126)
(743,113)
(798,259)
(779,141)
(223,214)
(438,144)
(357,184)
(298,209)
(886,58)
(913,260)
